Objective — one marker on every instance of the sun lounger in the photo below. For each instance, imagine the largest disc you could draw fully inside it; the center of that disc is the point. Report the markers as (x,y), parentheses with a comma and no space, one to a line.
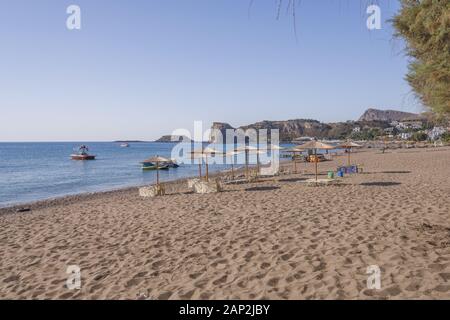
(320,182)
(236,181)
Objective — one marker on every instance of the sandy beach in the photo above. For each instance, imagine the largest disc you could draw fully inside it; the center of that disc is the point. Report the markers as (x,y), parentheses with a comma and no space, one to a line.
(275,239)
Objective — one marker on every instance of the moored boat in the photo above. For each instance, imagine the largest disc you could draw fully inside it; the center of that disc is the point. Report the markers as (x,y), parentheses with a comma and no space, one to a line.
(82,154)
(152,166)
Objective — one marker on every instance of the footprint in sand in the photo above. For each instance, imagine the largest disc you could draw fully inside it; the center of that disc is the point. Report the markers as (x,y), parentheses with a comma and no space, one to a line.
(195,275)
(442,288)
(221,280)
(249,255)
(273,282)
(391,291)
(157,264)
(286,256)
(201,283)
(165,296)
(13,278)
(445,276)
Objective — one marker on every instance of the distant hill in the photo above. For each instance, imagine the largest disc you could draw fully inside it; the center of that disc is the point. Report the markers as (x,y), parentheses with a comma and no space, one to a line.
(386,115)
(129,141)
(170,138)
(289,130)
(292,129)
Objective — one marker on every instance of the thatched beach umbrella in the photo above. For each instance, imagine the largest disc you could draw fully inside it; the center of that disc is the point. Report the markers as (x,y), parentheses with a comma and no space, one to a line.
(349,145)
(205,153)
(316,145)
(156,160)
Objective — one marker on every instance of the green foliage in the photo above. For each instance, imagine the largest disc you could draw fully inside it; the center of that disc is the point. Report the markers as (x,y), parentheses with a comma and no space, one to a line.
(367,134)
(419,136)
(446,137)
(425,25)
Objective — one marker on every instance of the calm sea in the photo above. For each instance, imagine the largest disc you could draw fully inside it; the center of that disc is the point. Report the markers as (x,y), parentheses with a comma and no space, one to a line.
(36,171)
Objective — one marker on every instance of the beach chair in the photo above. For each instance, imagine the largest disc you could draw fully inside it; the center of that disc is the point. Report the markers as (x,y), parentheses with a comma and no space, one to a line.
(360,168)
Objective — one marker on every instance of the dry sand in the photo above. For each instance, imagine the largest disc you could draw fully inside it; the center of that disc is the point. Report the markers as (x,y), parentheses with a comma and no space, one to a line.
(276,239)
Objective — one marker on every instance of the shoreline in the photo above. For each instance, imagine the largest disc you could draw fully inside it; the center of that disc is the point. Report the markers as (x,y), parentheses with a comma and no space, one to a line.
(72,198)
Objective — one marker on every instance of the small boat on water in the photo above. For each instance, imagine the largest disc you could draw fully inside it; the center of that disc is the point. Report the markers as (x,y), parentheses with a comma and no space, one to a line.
(152,166)
(82,154)
(124,145)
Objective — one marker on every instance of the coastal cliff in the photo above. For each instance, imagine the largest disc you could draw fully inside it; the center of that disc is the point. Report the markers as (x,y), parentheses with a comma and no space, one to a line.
(373,121)
(294,129)
(386,115)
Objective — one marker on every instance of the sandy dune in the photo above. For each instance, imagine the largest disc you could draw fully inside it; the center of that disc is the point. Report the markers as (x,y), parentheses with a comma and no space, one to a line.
(276,239)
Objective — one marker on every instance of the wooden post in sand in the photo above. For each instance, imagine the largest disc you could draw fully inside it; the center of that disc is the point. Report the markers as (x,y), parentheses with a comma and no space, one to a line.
(206,163)
(348,151)
(246,164)
(232,170)
(316,161)
(295,162)
(157,174)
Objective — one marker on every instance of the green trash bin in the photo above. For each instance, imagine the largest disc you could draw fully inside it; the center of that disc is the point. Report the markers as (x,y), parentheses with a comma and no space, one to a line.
(330,174)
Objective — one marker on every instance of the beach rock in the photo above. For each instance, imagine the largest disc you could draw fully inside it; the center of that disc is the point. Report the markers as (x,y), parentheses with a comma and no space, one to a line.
(192,182)
(318,182)
(203,187)
(153,191)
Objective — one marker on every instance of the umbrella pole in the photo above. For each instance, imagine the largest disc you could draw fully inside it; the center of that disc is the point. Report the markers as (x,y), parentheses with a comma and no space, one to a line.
(246,164)
(200,168)
(349,150)
(257,164)
(232,168)
(157,175)
(232,171)
(295,163)
(207,178)
(315,160)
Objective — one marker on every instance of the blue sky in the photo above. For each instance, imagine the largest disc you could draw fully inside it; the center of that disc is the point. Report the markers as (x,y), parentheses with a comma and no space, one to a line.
(139,69)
